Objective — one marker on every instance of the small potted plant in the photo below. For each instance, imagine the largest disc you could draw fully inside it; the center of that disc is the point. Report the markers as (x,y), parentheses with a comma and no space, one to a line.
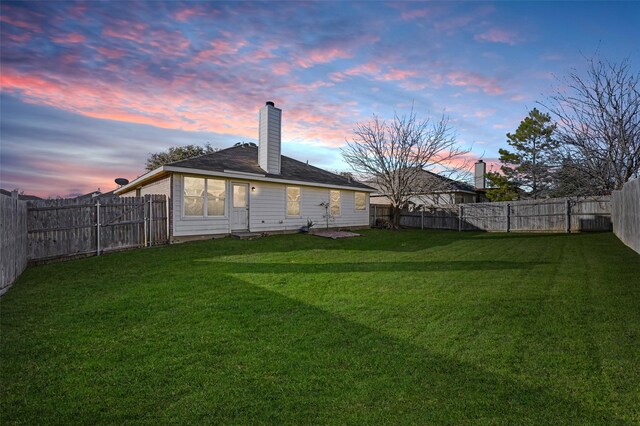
(308,226)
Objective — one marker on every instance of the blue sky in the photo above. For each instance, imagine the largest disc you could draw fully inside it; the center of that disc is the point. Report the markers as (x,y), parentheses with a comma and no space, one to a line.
(90,89)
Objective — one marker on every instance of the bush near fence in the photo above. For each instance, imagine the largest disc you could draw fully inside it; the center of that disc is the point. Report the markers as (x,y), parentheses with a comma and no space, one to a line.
(550,215)
(625,211)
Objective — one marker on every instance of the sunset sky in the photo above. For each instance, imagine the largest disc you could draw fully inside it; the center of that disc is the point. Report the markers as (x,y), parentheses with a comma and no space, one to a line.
(88,90)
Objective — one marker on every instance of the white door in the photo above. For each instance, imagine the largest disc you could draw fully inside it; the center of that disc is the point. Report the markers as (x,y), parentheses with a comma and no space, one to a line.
(240,207)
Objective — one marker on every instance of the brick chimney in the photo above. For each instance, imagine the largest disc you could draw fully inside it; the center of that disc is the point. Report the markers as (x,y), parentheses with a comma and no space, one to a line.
(270,138)
(480,174)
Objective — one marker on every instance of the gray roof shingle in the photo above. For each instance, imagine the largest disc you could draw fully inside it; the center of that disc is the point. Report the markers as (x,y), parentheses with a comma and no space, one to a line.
(244,158)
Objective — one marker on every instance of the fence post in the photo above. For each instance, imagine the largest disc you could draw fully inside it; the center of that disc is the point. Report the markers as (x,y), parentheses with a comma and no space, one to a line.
(422,219)
(15,198)
(568,215)
(151,221)
(460,211)
(97,227)
(166,200)
(144,220)
(375,214)
(508,206)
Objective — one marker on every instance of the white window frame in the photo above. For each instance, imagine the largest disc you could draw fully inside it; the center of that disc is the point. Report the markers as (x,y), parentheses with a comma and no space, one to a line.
(355,204)
(286,201)
(206,197)
(331,205)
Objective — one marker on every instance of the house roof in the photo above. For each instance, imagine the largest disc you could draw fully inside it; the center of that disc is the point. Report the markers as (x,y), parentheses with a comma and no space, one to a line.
(25,197)
(243,159)
(437,184)
(446,183)
(96,194)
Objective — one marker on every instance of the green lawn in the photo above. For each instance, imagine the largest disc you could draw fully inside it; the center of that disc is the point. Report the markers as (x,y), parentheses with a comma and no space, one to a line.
(408,327)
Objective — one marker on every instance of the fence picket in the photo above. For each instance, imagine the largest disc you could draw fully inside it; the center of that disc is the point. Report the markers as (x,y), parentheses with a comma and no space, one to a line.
(551,215)
(70,227)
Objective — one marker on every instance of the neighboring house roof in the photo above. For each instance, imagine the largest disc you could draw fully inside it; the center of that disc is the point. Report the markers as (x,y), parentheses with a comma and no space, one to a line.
(96,194)
(243,160)
(429,182)
(447,184)
(25,197)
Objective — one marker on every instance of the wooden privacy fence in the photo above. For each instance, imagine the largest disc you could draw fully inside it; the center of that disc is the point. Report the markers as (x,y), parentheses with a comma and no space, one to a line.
(75,227)
(625,211)
(550,215)
(13,239)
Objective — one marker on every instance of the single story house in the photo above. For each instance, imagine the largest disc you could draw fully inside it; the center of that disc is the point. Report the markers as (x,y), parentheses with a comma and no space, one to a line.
(254,189)
(434,190)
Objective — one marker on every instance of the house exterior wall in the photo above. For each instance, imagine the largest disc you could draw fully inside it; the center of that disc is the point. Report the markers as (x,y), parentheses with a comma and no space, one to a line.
(162,186)
(268,210)
(131,193)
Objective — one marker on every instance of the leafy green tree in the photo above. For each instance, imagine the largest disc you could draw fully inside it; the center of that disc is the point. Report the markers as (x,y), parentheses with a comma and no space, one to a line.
(176,153)
(528,168)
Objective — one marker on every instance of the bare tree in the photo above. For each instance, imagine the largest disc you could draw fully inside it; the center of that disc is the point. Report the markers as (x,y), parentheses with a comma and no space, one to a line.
(599,124)
(396,156)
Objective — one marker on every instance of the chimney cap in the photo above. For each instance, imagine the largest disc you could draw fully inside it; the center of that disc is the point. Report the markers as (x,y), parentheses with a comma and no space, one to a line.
(480,161)
(270,103)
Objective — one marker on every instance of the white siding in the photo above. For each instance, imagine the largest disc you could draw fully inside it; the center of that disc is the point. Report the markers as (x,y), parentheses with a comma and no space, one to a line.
(184,226)
(268,210)
(162,187)
(131,193)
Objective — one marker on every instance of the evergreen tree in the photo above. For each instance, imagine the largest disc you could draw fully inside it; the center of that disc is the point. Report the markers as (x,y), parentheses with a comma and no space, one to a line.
(528,168)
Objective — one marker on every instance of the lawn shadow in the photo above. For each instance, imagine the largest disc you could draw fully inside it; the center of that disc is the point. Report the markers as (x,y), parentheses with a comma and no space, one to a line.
(350,267)
(233,352)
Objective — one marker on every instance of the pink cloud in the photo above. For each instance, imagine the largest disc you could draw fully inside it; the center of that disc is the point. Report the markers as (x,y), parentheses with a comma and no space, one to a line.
(20,23)
(219,48)
(413,85)
(170,43)
(281,68)
(453,23)
(322,55)
(111,53)
(184,15)
(16,38)
(397,74)
(70,38)
(132,31)
(473,81)
(484,113)
(497,35)
(181,105)
(368,68)
(410,15)
(373,70)
(45,178)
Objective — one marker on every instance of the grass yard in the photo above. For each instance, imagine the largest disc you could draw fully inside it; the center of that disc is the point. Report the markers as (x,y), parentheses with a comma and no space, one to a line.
(408,327)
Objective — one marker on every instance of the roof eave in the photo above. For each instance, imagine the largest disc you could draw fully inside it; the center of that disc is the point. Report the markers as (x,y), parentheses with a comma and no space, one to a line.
(260,178)
(153,174)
